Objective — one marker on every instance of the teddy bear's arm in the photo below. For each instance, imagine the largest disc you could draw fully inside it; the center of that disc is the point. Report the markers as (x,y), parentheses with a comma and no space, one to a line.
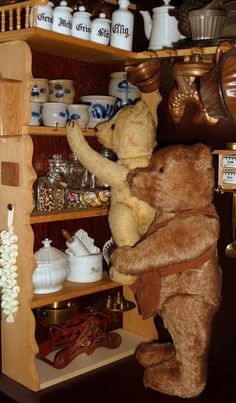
(107,171)
(178,242)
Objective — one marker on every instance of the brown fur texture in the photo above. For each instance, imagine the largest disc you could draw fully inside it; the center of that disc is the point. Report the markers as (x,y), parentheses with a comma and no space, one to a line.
(179,251)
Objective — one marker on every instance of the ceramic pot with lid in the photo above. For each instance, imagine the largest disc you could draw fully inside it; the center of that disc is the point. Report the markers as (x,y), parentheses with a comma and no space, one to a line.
(62,18)
(43,16)
(100,30)
(52,269)
(81,24)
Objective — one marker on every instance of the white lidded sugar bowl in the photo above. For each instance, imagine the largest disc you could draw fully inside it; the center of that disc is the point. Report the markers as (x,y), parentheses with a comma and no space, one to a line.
(52,269)
(101,30)
(41,16)
(81,24)
(62,18)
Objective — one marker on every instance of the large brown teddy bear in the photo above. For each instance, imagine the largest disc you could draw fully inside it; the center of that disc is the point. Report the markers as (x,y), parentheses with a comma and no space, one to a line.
(179,275)
(131,135)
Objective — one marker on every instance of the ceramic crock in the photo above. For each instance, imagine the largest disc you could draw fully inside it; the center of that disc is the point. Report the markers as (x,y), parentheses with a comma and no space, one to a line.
(85,269)
(119,87)
(101,108)
(39,90)
(51,270)
(79,112)
(61,90)
(36,115)
(54,114)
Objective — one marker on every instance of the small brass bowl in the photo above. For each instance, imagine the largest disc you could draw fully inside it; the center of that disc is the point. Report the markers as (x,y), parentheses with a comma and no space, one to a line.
(56,313)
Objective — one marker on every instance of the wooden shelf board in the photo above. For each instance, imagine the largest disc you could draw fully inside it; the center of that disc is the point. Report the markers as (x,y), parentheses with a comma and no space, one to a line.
(87,51)
(73,290)
(53,131)
(68,214)
(50,42)
(84,363)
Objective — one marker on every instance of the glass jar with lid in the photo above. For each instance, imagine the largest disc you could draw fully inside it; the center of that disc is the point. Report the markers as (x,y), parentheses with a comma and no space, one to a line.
(50,192)
(59,165)
(75,172)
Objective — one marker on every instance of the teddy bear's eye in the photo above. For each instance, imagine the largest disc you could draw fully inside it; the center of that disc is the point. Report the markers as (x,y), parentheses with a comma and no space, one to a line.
(161,169)
(113,126)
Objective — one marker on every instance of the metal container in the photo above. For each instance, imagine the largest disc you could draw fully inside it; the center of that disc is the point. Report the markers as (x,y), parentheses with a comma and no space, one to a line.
(56,313)
(206,23)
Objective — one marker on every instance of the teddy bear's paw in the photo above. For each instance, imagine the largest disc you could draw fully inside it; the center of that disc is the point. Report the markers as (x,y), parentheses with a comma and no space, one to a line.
(168,378)
(71,124)
(149,354)
(121,278)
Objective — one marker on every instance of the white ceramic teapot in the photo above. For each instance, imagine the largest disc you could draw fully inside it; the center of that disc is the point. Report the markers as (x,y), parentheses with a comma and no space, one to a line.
(162,31)
(81,24)
(100,30)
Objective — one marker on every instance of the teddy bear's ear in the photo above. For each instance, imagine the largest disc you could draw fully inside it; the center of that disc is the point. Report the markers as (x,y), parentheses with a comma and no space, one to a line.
(203,160)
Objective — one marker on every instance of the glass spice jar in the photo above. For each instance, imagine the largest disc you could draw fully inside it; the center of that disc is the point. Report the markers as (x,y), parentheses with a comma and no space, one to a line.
(59,165)
(50,192)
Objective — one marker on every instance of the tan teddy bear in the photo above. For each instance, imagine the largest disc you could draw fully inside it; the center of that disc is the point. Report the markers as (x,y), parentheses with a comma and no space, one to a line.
(179,275)
(131,134)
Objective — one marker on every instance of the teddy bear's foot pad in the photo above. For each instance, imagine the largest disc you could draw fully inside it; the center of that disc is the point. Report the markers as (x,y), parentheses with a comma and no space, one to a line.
(167,378)
(149,354)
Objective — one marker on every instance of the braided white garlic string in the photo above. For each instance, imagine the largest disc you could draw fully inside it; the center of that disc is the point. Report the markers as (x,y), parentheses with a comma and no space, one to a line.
(8,269)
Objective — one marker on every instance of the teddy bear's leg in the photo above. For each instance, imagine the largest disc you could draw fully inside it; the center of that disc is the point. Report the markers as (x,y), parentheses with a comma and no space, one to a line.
(153,353)
(188,319)
(124,229)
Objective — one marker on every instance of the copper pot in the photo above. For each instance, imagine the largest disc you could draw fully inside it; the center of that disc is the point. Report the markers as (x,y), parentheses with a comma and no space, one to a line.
(146,75)
(218,88)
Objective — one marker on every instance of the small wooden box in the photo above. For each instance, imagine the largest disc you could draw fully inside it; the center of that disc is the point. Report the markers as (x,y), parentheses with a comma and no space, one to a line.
(10,104)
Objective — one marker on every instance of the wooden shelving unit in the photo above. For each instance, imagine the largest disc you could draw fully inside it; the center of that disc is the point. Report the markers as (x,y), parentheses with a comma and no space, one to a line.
(87,51)
(19,347)
(73,290)
(68,214)
(54,131)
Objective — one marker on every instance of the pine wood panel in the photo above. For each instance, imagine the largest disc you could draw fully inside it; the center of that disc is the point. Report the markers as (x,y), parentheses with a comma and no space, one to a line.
(18,344)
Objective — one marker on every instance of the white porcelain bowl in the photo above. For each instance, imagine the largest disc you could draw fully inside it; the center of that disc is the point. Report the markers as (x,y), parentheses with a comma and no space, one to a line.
(54,114)
(101,108)
(85,269)
(61,90)
(79,112)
